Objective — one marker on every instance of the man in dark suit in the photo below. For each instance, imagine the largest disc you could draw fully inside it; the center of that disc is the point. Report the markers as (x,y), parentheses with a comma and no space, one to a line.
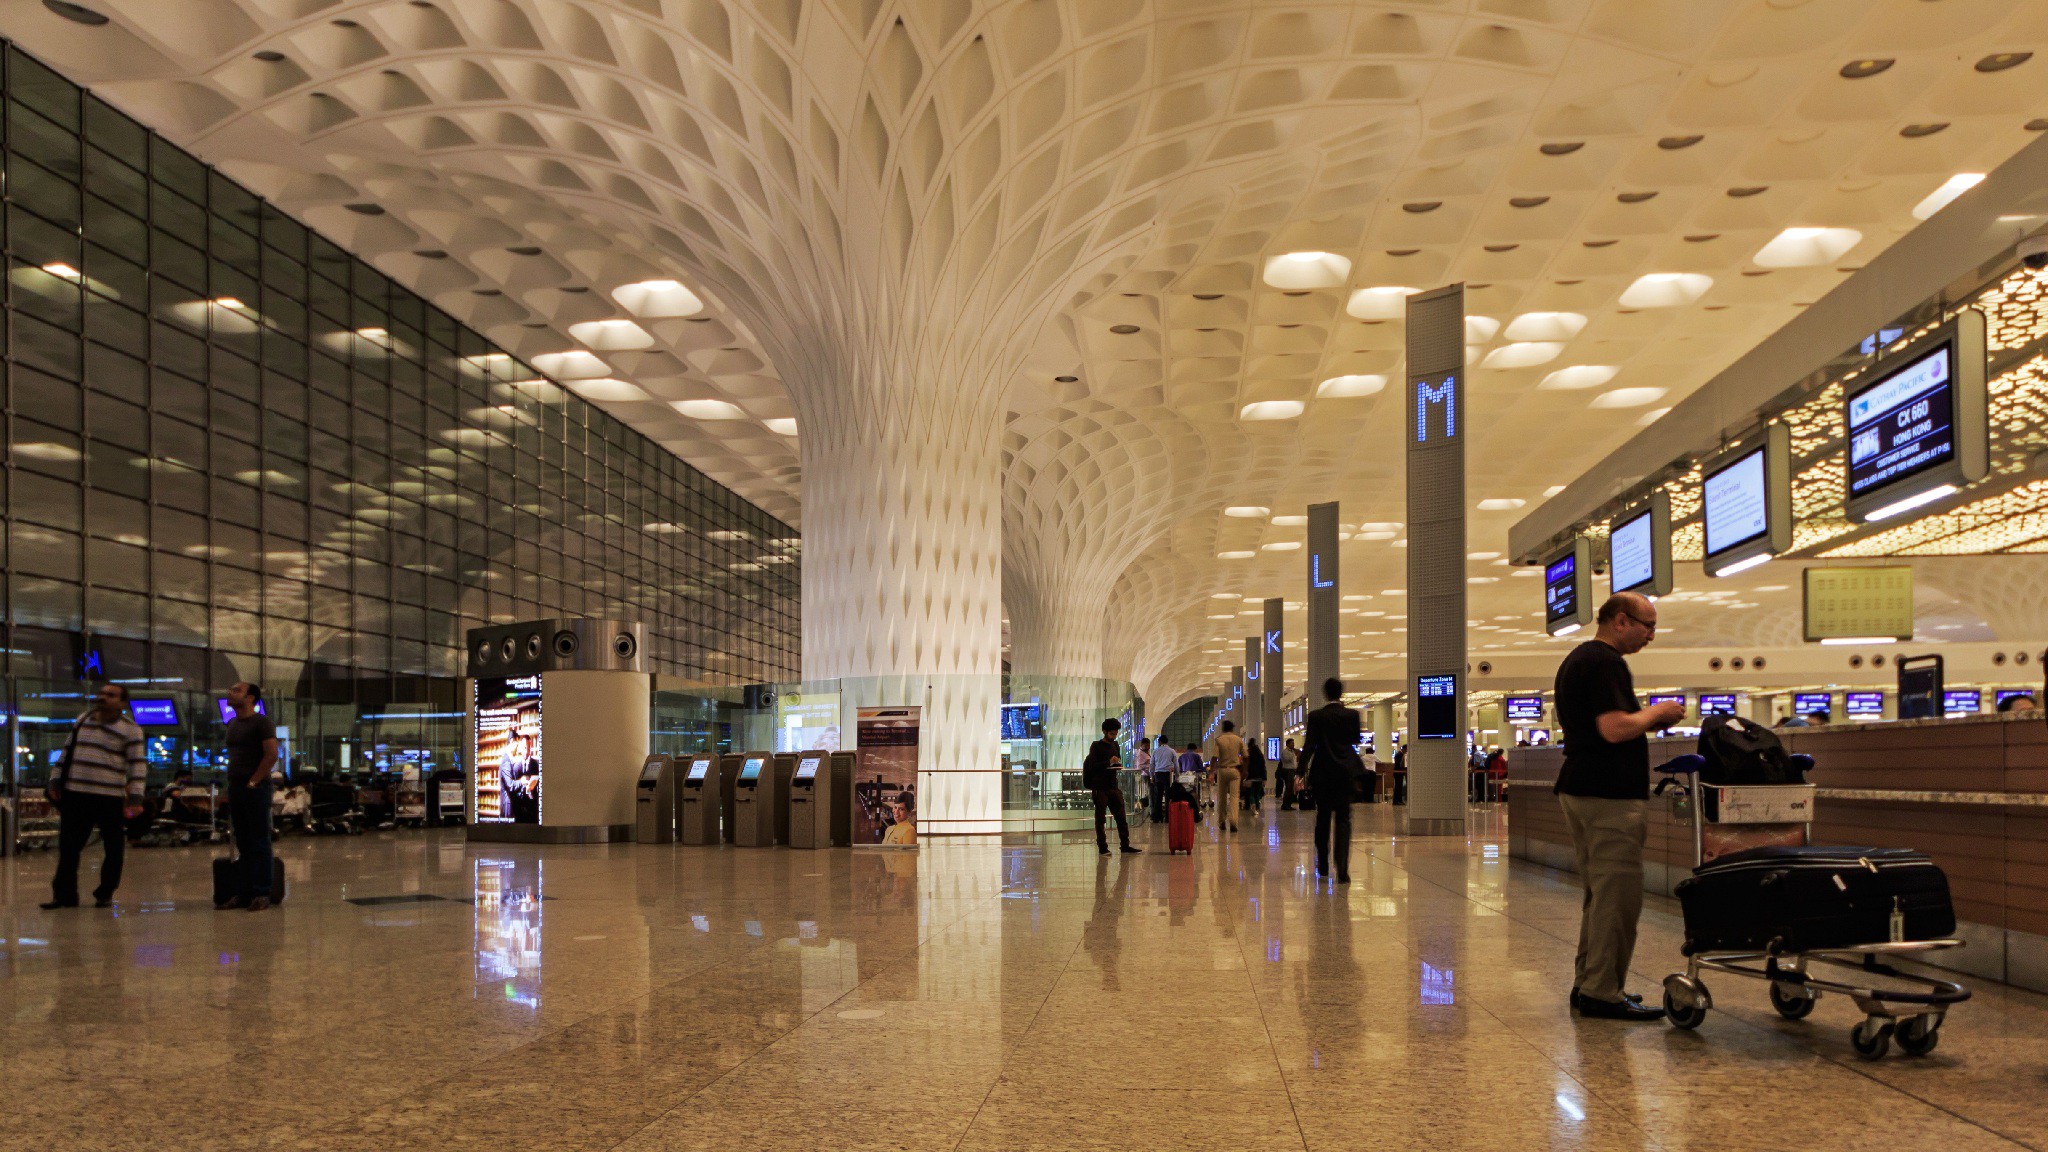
(1333,769)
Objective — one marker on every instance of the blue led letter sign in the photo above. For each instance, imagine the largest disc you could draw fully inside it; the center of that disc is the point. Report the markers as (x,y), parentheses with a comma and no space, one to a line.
(1444,394)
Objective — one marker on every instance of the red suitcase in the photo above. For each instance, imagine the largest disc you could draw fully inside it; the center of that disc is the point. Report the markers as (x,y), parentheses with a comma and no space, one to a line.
(1180,828)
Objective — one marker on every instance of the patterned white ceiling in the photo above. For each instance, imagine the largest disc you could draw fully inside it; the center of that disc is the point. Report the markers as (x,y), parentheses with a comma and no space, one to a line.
(1122,171)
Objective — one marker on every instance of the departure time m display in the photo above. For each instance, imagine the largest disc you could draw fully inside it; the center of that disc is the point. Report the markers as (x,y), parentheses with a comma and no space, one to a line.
(1525,707)
(1560,589)
(1918,430)
(1436,707)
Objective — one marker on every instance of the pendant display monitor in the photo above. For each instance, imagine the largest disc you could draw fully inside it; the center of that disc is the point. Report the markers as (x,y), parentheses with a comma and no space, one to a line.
(1863,703)
(1747,499)
(1525,707)
(1919,427)
(1807,703)
(1639,548)
(1961,701)
(1568,590)
(160,713)
(1717,704)
(1436,708)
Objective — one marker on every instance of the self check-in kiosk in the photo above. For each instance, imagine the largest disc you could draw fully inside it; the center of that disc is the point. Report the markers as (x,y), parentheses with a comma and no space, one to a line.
(821,801)
(701,801)
(654,802)
(757,801)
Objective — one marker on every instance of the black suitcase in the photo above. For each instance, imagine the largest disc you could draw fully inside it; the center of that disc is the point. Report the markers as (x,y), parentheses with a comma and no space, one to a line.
(227,881)
(1802,899)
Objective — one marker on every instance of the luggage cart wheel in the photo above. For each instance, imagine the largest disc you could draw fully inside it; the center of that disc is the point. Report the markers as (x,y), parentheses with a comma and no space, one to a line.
(1685,1001)
(1871,1038)
(1918,1035)
(1793,1003)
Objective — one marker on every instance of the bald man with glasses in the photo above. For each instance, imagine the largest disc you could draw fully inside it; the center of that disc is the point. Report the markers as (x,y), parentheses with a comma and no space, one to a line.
(1604,788)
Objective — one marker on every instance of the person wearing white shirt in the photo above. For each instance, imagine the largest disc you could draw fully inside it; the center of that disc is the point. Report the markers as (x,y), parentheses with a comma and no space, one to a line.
(1164,760)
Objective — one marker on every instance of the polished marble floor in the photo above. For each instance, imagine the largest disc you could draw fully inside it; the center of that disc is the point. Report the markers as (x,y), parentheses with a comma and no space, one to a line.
(1021,995)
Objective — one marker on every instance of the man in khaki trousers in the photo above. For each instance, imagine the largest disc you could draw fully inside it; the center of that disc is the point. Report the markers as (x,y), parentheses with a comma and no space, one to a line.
(1229,775)
(1604,787)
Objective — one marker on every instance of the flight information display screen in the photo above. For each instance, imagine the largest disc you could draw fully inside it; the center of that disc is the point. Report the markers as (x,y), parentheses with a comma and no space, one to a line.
(699,769)
(1632,557)
(807,769)
(1737,503)
(1717,703)
(1961,701)
(154,713)
(751,770)
(1903,423)
(1561,588)
(1807,703)
(1525,707)
(1677,698)
(1863,703)
(1436,707)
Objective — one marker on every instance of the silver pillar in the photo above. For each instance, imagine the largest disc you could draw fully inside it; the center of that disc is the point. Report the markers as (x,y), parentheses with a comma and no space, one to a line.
(1435,434)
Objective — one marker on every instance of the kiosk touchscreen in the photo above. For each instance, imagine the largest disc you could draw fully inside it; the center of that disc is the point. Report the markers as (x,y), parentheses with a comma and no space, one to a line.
(821,801)
(701,801)
(654,802)
(757,802)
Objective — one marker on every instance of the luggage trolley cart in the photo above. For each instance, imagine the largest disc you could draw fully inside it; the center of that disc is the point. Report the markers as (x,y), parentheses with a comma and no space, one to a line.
(1896,1005)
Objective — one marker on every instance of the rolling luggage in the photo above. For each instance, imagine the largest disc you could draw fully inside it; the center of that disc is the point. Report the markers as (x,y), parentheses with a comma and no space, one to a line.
(1814,898)
(1180,828)
(227,883)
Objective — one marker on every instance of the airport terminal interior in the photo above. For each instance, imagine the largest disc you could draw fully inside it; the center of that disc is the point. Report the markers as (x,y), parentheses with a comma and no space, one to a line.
(693,511)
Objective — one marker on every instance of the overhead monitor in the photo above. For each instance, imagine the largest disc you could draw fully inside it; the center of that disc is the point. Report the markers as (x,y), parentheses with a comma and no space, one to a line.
(1747,503)
(751,769)
(1863,704)
(1525,707)
(1436,708)
(1639,548)
(158,713)
(807,768)
(1961,701)
(1807,703)
(2004,694)
(1677,698)
(699,769)
(1717,703)
(1568,590)
(1919,425)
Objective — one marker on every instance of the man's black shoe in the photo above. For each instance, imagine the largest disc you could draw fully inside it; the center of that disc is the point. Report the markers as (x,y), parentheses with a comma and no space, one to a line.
(1618,1010)
(1343,877)
(53,905)
(1631,997)
(1102,851)
(103,901)
(1133,851)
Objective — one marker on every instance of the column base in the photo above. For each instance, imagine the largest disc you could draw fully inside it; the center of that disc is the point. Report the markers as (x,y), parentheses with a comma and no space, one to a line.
(1422,826)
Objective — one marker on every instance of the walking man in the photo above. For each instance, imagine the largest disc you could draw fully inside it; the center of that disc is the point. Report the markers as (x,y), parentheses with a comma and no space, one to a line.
(1229,775)
(1163,762)
(98,784)
(1331,741)
(252,755)
(1604,787)
(1098,775)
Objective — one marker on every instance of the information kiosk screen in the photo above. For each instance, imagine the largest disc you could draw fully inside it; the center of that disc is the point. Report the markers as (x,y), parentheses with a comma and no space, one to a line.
(1561,589)
(1632,554)
(1677,698)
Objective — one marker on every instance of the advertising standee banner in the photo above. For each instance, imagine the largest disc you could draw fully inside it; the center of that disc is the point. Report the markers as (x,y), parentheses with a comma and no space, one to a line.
(885,791)
(508,769)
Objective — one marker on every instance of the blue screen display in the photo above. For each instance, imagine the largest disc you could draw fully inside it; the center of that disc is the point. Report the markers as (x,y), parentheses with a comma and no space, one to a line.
(1807,703)
(1717,703)
(1525,707)
(1961,701)
(1561,589)
(154,713)
(751,770)
(1864,704)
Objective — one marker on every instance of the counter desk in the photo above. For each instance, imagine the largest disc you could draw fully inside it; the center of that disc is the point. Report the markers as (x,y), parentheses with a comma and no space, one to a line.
(1971,792)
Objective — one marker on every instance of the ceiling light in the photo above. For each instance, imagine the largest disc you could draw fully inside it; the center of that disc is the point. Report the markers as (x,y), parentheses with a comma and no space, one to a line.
(1480,329)
(1223,596)
(63,271)
(575,364)
(1299,270)
(1628,397)
(612,335)
(1348,387)
(1911,502)
(1500,504)
(1553,490)
(1385,302)
(1806,247)
(1271,410)
(1482,555)
(1578,376)
(1860,640)
(1652,416)
(1289,521)
(1282,546)
(1223,616)
(1236,554)
(708,409)
(1247,512)
(1546,326)
(657,299)
(781,425)
(1380,535)
(607,388)
(1526,354)
(1665,290)
(1941,197)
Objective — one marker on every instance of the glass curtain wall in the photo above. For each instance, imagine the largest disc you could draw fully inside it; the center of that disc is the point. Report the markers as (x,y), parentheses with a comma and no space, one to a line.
(236,452)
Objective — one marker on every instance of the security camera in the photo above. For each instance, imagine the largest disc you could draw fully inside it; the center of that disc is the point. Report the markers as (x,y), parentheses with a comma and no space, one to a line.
(2034,251)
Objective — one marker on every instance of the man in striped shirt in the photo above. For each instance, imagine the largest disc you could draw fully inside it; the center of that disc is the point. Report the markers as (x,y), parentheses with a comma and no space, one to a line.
(98,785)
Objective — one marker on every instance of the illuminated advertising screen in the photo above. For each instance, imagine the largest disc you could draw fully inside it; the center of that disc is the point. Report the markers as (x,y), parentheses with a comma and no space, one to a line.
(1436,708)
(1863,704)
(1023,722)
(1807,703)
(807,722)
(1961,701)
(1737,503)
(1561,589)
(1717,703)
(508,743)
(1525,707)
(1903,423)
(154,713)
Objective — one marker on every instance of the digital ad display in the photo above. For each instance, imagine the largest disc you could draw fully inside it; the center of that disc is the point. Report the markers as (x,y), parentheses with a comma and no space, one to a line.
(1561,588)
(1436,707)
(1737,503)
(1023,722)
(508,731)
(154,713)
(1863,704)
(1677,698)
(751,770)
(807,768)
(1903,423)
(1631,553)
(1525,707)
(699,769)
(1717,703)
(1961,701)
(1807,703)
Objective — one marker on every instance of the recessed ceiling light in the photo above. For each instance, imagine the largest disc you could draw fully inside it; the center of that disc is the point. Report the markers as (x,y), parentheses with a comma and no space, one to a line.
(2000,61)
(1665,290)
(1553,490)
(1282,546)
(1123,329)
(1236,554)
(575,364)
(1383,302)
(1500,504)
(1482,555)
(1271,410)
(708,409)
(1941,197)
(612,335)
(1348,387)
(76,13)
(1858,69)
(607,388)
(1526,354)
(1546,326)
(781,425)
(657,299)
(1066,379)
(1578,376)
(1290,521)
(1807,247)
(1305,270)
(1652,416)
(1480,329)
(1223,596)
(1247,512)
(1629,397)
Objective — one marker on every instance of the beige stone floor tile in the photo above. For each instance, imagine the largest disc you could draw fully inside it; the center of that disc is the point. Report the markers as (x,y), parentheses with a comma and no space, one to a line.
(1085,1116)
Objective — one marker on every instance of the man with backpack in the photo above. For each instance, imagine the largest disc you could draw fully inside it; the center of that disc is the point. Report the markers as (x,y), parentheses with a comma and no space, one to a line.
(1098,775)
(1604,788)
(98,784)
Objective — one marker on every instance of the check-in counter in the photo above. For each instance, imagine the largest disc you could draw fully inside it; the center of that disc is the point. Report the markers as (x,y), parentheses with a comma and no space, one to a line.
(1972,792)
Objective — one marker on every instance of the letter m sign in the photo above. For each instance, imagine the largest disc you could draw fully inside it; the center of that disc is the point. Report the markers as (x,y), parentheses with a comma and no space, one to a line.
(1441,395)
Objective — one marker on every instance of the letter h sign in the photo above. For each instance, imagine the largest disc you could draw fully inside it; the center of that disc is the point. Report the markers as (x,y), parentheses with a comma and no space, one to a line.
(1441,395)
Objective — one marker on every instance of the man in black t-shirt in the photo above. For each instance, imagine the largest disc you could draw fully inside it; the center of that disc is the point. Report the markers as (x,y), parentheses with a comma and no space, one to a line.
(1098,775)
(252,755)
(1604,787)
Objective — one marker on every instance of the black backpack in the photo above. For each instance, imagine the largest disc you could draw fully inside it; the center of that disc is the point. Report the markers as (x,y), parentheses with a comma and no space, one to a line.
(1742,751)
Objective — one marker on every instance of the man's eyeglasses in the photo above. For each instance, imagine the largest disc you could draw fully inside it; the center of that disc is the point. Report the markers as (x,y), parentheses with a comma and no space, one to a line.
(1649,625)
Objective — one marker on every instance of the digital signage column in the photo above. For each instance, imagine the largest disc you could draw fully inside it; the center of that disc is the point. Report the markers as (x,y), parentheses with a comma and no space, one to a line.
(1438,414)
